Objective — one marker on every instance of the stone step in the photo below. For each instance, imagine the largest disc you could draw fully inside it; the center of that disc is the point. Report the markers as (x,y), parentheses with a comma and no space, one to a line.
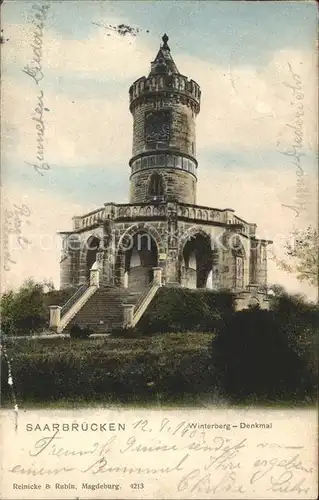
(104,310)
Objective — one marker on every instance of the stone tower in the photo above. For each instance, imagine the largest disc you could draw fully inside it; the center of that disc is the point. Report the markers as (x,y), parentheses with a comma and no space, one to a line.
(161,227)
(164,106)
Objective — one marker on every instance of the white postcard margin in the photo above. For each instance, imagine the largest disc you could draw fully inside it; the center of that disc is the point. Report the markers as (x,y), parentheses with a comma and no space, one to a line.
(159,454)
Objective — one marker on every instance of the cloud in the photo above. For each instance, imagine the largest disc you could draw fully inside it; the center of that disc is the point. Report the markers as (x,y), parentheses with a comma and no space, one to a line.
(36,216)
(108,57)
(249,108)
(243,108)
(258,197)
(81,132)
(113,57)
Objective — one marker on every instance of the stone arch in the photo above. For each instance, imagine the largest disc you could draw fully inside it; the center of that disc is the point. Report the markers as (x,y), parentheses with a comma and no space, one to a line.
(185,212)
(90,251)
(191,233)
(143,227)
(137,253)
(195,258)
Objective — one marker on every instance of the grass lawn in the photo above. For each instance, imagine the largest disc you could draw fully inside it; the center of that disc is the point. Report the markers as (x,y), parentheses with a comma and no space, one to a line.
(159,344)
(168,369)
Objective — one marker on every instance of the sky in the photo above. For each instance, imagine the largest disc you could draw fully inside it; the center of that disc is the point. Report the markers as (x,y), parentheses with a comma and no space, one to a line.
(247,57)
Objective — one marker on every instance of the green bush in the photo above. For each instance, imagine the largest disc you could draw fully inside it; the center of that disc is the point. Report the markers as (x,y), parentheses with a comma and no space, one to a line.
(79,332)
(184,310)
(26,310)
(125,332)
(257,355)
(23,311)
(114,369)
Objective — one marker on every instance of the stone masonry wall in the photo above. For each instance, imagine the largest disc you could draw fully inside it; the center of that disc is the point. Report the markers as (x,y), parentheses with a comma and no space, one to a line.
(177,185)
(182,131)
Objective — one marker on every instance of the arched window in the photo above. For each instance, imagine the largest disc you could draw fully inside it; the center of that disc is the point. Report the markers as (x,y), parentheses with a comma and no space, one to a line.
(156,187)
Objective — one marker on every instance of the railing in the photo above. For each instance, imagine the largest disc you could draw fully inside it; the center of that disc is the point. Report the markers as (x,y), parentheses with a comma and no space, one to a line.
(77,306)
(142,298)
(143,304)
(73,299)
(132,314)
(60,317)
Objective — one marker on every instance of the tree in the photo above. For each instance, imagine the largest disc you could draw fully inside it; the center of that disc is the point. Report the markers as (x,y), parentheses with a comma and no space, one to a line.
(27,310)
(267,355)
(24,311)
(302,252)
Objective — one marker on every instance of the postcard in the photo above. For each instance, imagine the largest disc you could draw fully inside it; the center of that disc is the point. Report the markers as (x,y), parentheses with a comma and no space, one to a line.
(159,264)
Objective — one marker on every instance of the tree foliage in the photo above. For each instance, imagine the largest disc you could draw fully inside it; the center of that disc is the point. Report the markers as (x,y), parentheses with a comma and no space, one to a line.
(268,355)
(302,255)
(23,311)
(26,310)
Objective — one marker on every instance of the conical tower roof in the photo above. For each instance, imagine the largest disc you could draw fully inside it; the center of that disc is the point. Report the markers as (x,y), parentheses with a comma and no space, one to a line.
(163,62)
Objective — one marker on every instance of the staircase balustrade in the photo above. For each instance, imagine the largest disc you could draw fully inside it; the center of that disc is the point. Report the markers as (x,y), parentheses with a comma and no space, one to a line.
(147,297)
(74,298)
(61,317)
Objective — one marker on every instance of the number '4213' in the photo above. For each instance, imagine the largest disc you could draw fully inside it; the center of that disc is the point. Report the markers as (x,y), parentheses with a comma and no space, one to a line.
(137,486)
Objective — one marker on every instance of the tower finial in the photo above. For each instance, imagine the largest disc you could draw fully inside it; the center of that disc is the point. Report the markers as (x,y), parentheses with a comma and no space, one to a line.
(165,40)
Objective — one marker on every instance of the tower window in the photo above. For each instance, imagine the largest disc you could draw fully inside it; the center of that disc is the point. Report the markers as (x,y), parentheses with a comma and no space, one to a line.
(156,187)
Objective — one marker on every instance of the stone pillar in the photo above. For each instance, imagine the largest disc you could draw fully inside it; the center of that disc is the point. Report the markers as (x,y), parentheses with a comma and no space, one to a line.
(172,275)
(82,268)
(65,264)
(229,215)
(95,277)
(253,262)
(261,263)
(65,271)
(128,312)
(157,275)
(55,316)
(77,222)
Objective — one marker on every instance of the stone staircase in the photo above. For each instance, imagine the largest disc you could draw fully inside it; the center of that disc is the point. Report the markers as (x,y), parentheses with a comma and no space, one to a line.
(104,310)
